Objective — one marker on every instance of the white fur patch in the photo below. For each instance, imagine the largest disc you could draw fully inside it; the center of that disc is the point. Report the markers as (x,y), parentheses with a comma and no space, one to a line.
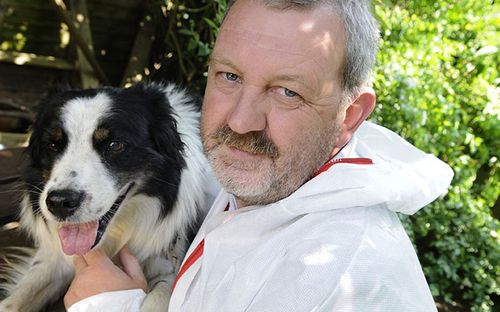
(81,118)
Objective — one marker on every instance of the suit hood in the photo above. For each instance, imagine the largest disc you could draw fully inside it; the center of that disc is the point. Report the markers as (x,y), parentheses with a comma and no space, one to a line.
(377,167)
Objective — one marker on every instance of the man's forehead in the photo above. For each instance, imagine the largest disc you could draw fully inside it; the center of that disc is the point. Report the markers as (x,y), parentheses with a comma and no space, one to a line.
(313,32)
(317,46)
(233,36)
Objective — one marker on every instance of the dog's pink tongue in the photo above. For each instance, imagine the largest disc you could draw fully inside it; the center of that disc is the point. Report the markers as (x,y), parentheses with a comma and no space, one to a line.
(78,238)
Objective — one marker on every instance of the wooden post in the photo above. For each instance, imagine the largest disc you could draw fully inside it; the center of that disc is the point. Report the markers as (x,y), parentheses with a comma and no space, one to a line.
(87,76)
(139,56)
(75,33)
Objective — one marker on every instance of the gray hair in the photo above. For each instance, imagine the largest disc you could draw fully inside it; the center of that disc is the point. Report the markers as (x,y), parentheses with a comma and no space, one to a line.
(361,35)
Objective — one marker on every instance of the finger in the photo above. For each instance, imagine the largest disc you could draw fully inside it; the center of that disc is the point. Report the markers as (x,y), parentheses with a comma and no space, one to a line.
(79,263)
(70,298)
(95,256)
(132,267)
(68,301)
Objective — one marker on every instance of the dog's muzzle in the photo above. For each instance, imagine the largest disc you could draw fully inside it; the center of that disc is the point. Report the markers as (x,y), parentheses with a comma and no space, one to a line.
(79,238)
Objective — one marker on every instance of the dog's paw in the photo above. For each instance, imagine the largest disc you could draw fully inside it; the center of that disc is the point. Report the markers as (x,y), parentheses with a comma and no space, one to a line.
(158,298)
(154,305)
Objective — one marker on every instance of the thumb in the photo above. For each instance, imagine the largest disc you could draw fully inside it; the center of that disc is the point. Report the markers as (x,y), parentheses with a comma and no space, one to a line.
(132,267)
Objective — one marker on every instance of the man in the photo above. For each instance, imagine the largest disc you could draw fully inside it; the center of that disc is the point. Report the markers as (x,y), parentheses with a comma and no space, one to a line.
(306,221)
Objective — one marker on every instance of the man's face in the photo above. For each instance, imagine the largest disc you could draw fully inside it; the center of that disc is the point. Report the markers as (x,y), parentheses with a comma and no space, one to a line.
(269,116)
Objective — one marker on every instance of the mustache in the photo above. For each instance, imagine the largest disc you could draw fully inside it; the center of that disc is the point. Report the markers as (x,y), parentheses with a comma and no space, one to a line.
(255,142)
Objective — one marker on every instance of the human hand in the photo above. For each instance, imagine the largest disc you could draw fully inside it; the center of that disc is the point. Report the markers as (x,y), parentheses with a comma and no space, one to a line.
(95,273)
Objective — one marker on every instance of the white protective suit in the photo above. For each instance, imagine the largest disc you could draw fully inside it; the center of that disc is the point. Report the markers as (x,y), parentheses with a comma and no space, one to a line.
(336,244)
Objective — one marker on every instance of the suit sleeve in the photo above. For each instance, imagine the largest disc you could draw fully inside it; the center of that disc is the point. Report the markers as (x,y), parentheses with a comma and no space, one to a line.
(113,301)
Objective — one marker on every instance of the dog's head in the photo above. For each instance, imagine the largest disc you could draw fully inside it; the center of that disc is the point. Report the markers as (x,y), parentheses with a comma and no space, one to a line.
(92,149)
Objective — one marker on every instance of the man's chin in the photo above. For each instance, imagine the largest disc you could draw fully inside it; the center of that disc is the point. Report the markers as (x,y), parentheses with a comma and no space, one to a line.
(243,182)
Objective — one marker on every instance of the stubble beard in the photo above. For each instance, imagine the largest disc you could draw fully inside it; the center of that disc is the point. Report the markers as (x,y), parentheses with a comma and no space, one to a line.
(272,177)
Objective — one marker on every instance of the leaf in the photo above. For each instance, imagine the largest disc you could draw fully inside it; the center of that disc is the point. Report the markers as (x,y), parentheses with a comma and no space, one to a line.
(185,32)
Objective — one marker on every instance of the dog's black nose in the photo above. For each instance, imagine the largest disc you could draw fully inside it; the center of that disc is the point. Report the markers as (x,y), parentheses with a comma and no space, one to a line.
(63,203)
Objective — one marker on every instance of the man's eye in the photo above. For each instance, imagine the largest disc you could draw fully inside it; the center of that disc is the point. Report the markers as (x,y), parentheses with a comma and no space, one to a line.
(289,93)
(288,98)
(231,76)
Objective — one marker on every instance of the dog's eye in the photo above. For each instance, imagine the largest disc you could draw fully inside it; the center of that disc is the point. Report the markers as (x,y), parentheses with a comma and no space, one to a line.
(116,146)
(53,147)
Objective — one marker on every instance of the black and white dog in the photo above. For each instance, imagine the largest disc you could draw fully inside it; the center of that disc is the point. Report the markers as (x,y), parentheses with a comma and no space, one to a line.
(110,167)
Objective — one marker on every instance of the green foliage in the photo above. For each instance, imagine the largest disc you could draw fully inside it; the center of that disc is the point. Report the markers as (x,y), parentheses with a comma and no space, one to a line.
(190,35)
(438,85)
(437,81)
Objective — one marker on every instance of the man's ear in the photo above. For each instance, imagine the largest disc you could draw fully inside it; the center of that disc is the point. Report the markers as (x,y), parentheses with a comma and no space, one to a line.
(355,113)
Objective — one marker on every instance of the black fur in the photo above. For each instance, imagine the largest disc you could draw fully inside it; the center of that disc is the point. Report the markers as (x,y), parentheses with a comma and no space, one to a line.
(131,157)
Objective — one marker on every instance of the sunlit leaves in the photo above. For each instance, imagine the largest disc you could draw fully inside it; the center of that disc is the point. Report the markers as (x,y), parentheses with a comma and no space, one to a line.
(437,84)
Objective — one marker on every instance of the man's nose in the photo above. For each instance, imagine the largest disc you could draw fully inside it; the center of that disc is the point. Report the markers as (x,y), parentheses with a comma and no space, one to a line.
(249,112)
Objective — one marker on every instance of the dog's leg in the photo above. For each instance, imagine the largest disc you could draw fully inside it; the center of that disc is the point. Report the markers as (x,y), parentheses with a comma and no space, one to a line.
(41,281)
(160,273)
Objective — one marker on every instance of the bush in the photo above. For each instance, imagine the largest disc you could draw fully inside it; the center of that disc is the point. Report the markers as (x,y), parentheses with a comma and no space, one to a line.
(438,86)
(190,29)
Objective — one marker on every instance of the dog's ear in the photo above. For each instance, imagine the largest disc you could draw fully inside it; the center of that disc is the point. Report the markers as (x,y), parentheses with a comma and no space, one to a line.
(167,140)
(163,130)
(54,90)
